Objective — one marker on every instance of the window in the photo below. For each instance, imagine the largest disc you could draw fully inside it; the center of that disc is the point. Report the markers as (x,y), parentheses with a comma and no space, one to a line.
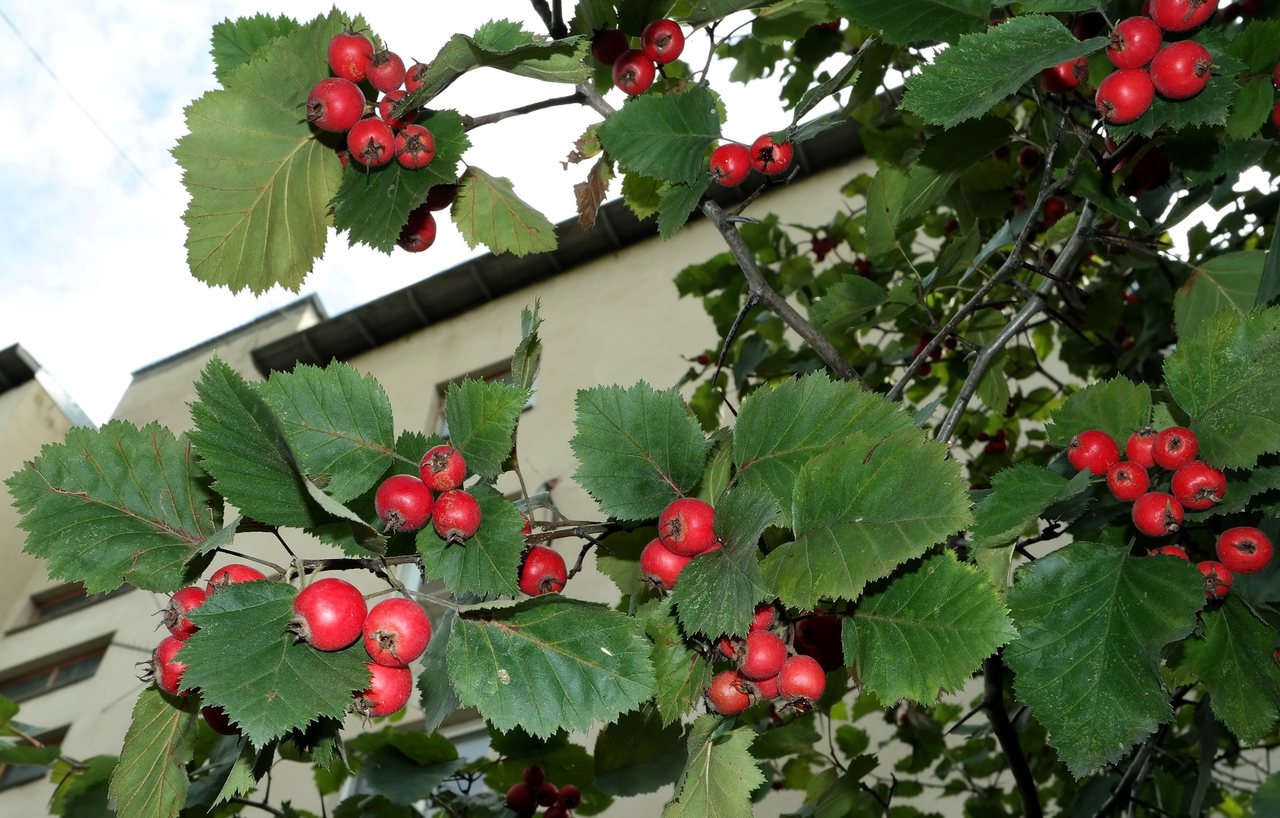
(13,775)
(500,373)
(64,599)
(79,663)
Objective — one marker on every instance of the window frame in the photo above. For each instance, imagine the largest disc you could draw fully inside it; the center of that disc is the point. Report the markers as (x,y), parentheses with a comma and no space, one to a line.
(489,374)
(54,669)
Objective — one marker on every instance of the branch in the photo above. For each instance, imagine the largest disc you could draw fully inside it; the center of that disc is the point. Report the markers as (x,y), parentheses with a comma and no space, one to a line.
(558,29)
(544,11)
(1125,789)
(470,122)
(760,289)
(264,807)
(591,98)
(993,703)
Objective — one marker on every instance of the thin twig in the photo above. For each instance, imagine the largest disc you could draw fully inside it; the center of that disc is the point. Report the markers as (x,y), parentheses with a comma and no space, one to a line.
(592,99)
(752,300)
(260,805)
(471,122)
(558,29)
(998,715)
(580,532)
(544,11)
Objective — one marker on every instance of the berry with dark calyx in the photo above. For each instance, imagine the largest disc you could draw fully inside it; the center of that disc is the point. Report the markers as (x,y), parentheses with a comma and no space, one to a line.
(662,41)
(231,574)
(1182,15)
(166,671)
(1198,486)
(403,503)
(386,71)
(1157,513)
(371,142)
(1175,447)
(633,72)
(1217,579)
(1029,158)
(1127,481)
(569,797)
(686,526)
(771,157)
(419,232)
(1124,96)
(1244,549)
(1181,70)
(802,680)
(543,572)
(396,632)
(730,164)
(608,44)
(388,103)
(660,566)
(1171,551)
(764,616)
(1055,207)
(1094,450)
(443,468)
(441,196)
(388,691)
(1134,42)
(1064,77)
(728,693)
(534,776)
(763,655)
(415,147)
(414,76)
(329,614)
(180,604)
(349,55)
(547,793)
(1139,447)
(335,105)
(522,800)
(218,721)
(456,516)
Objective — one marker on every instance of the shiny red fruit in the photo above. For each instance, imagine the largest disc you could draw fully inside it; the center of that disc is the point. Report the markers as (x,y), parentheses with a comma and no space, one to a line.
(1127,481)
(728,693)
(349,55)
(608,44)
(415,147)
(329,614)
(1124,95)
(371,142)
(396,632)
(802,680)
(662,41)
(386,71)
(1157,514)
(414,77)
(1064,77)
(1181,70)
(166,670)
(1217,579)
(443,468)
(389,690)
(419,232)
(456,516)
(686,526)
(762,656)
(764,617)
(335,105)
(522,800)
(543,572)
(1138,449)
(388,103)
(1182,15)
(1094,450)
(1175,447)
(219,721)
(730,164)
(1171,551)
(569,797)
(1244,550)
(1134,42)
(180,604)
(403,503)
(1198,486)
(660,565)
(771,157)
(231,574)
(633,72)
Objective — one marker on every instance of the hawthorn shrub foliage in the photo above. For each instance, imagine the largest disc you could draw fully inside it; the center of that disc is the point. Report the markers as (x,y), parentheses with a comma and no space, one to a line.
(892,482)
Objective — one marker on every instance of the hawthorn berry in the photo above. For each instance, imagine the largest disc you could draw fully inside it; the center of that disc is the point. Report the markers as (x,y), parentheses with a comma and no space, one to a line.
(802,680)
(608,44)
(547,793)
(771,157)
(543,572)
(180,604)
(1244,550)
(414,77)
(534,775)
(1182,15)
(231,574)
(1124,96)
(818,636)
(1217,579)
(1181,70)
(441,196)
(727,694)
(1138,449)
(767,688)
(335,105)
(522,800)
(762,656)
(166,670)
(396,632)
(1029,158)
(1134,42)
(1064,77)
(660,566)
(1055,207)
(633,72)
(1174,447)
(219,721)
(1157,513)
(662,41)
(1198,486)
(1094,450)
(569,797)
(443,468)
(415,147)
(456,516)
(1170,551)
(764,617)
(419,232)
(686,527)
(386,71)
(403,503)
(329,614)
(388,691)
(371,142)
(388,103)
(1127,481)
(349,55)
(730,164)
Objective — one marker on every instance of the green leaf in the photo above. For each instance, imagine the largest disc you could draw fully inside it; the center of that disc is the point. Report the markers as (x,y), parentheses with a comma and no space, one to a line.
(1250,110)
(721,773)
(1117,407)
(681,674)
(781,429)
(638,754)
(550,663)
(979,70)
(236,42)
(1258,46)
(373,206)
(489,562)
(116,505)
(1266,798)
(482,422)
(665,136)
(847,305)
(489,212)
(150,780)
(861,509)
(993,389)
(619,559)
(268,682)
(1019,495)
(1092,622)
(906,22)
(12,753)
(83,793)
(705,11)
(260,182)
(1234,661)
(884,209)
(409,767)
(678,201)
(1269,287)
(528,355)
(927,632)
(1226,281)
(1051,6)
(438,701)
(638,449)
(1226,376)
(1209,107)
(8,709)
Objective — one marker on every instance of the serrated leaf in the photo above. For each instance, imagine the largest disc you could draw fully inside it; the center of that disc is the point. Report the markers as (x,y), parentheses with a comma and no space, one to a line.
(979,70)
(489,562)
(235,42)
(437,699)
(260,182)
(150,779)
(550,663)
(1019,495)
(115,505)
(1209,107)
(402,779)
(591,193)
(489,212)
(1250,110)
(884,208)
(373,206)
(83,793)
(927,632)
(1235,663)
(720,775)
(1229,281)
(268,682)
(527,358)
(861,509)
(847,304)
(1226,376)
(1266,798)
(905,22)
(638,449)
(482,422)
(681,675)
(664,136)
(1258,46)
(837,81)
(780,429)
(678,202)
(704,11)
(1117,407)
(638,754)
(1092,621)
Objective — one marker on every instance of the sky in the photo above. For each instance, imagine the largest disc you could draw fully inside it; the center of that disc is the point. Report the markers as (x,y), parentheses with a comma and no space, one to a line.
(93,275)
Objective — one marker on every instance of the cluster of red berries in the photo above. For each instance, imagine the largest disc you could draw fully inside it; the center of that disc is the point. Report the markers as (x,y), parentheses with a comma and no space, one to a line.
(686,528)
(407,503)
(525,797)
(634,69)
(732,161)
(765,669)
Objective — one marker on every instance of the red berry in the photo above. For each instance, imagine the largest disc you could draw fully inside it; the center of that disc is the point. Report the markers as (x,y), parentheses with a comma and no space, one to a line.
(1055,207)
(767,688)
(633,72)
(764,617)
(388,103)
(329,614)
(522,800)
(729,647)
(1127,481)
(662,41)
(1134,42)
(456,516)
(419,232)
(219,721)
(388,691)
(386,71)
(534,776)
(1175,447)
(371,142)
(802,680)
(1065,77)
(686,527)
(349,55)
(1217,579)
(1170,551)
(547,793)
(335,105)
(396,632)
(231,574)
(1138,449)
(763,655)
(414,77)
(770,157)
(1029,158)
(403,503)
(443,468)
(180,604)
(1124,96)
(569,797)
(660,565)
(728,694)
(1181,70)
(1244,550)
(1198,486)
(1182,15)
(543,572)
(819,636)
(1157,514)
(608,44)
(1094,450)
(415,147)
(166,670)
(441,196)
(730,164)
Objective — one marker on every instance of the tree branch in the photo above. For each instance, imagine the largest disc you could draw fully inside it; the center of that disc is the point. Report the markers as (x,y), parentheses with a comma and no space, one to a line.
(998,715)
(544,11)
(470,122)
(591,98)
